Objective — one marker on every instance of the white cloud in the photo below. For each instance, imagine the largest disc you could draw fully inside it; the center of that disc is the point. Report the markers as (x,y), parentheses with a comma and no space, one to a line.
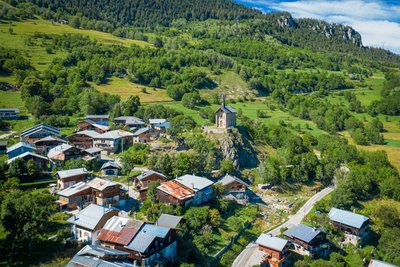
(377,22)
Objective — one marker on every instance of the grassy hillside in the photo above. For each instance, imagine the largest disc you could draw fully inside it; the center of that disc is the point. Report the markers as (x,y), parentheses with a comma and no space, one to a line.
(15,35)
(125,88)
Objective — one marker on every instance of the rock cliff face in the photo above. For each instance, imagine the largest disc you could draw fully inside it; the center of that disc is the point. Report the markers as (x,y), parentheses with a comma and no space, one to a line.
(237,147)
(330,30)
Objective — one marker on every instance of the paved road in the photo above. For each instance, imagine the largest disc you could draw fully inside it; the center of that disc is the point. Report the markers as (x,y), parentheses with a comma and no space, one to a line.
(250,256)
(5,136)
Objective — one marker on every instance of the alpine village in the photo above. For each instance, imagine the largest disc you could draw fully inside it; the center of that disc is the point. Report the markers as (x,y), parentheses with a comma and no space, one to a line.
(194,133)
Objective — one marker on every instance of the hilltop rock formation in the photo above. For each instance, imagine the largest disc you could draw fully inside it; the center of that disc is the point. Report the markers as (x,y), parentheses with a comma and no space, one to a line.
(237,147)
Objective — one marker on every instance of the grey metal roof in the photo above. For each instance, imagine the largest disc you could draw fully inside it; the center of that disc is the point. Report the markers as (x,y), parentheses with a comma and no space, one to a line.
(93,150)
(145,237)
(20,144)
(155,230)
(378,263)
(97,125)
(74,189)
(100,183)
(141,130)
(72,172)
(169,221)
(16,110)
(100,251)
(227,109)
(194,182)
(111,164)
(90,216)
(3,143)
(41,127)
(116,223)
(115,134)
(97,116)
(141,242)
(25,155)
(302,232)
(272,242)
(228,179)
(92,256)
(157,121)
(165,125)
(148,173)
(50,138)
(134,121)
(89,133)
(58,149)
(348,218)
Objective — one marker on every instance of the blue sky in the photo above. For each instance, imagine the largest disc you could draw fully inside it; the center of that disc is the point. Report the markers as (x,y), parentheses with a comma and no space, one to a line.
(378,21)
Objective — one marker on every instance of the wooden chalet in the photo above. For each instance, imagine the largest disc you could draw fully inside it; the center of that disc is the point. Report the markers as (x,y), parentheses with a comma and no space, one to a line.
(68,178)
(174,193)
(184,190)
(308,240)
(39,159)
(113,141)
(89,220)
(94,255)
(20,148)
(99,119)
(106,192)
(38,132)
(131,122)
(83,139)
(44,145)
(63,152)
(9,113)
(118,232)
(75,196)
(354,226)
(89,125)
(146,135)
(153,245)
(142,181)
(275,249)
(235,188)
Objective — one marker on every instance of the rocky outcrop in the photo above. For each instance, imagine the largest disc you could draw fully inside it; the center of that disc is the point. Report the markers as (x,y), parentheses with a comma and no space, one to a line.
(329,30)
(287,21)
(237,147)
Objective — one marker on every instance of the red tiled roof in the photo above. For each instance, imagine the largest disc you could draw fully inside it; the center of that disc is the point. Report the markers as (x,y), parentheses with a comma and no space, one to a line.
(176,189)
(122,237)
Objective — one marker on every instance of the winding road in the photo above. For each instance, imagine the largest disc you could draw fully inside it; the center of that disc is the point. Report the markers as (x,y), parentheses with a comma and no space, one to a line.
(250,256)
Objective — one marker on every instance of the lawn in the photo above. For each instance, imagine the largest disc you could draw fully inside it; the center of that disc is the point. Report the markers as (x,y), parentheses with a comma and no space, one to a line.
(249,109)
(392,148)
(12,99)
(125,88)
(37,54)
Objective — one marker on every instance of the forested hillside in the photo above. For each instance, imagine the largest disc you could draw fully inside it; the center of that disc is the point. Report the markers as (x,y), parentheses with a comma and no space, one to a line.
(115,16)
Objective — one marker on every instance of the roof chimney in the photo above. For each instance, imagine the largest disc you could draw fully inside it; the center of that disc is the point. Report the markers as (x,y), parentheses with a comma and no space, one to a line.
(192,185)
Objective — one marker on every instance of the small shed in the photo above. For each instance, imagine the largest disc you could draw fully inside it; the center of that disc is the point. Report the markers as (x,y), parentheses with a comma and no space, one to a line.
(110,168)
